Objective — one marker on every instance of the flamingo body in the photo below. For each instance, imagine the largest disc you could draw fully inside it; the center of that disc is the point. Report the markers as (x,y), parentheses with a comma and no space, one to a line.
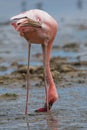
(47,30)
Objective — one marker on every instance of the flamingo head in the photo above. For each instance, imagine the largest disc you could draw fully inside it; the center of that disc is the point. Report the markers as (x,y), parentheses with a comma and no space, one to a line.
(24,22)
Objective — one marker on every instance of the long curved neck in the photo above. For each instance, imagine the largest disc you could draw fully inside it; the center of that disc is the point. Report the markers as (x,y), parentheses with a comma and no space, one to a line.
(48,71)
(49,76)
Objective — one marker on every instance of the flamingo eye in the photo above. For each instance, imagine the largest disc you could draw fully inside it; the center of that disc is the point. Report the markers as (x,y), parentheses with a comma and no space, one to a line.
(18,23)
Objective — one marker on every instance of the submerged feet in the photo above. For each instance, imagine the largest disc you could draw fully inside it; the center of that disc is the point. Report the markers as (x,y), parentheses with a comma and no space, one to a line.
(44,108)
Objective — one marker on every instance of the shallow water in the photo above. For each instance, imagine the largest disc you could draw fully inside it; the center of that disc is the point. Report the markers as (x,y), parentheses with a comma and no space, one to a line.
(59,9)
(69,113)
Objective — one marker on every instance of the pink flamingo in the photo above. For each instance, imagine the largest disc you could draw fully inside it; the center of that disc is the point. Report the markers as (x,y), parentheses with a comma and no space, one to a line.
(37,26)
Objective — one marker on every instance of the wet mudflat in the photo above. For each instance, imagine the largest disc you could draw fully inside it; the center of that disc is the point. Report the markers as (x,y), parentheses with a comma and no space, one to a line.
(69,112)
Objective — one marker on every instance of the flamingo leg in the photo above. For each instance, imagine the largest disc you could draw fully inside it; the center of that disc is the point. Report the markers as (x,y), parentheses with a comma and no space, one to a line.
(44,48)
(28,79)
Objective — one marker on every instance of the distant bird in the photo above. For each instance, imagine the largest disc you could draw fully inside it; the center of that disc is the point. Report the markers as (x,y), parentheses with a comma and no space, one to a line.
(37,26)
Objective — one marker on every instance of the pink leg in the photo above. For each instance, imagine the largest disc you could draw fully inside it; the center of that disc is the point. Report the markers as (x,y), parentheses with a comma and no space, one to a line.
(28,80)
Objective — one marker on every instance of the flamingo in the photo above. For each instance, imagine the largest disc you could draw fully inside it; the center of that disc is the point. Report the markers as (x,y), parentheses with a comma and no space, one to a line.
(37,26)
